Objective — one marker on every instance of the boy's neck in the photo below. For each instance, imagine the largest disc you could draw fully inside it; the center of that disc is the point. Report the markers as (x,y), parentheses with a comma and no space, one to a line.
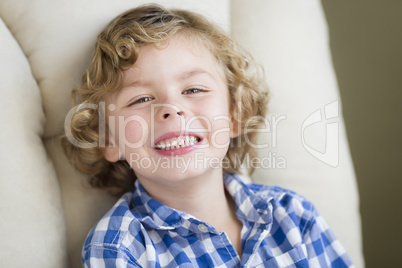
(202,197)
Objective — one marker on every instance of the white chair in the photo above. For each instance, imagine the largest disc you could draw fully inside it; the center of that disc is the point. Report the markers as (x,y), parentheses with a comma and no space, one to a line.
(47,208)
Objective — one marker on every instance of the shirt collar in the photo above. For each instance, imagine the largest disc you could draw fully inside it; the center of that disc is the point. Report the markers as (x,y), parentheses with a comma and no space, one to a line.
(154,214)
(250,207)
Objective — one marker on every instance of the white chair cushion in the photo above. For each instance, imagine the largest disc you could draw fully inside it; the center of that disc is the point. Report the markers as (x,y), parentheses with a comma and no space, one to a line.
(32,227)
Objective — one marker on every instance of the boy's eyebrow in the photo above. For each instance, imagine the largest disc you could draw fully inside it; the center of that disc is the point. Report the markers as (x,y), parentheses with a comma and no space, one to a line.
(195,72)
(137,83)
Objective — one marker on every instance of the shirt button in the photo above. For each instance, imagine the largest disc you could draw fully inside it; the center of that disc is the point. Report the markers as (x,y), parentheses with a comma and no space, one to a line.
(202,228)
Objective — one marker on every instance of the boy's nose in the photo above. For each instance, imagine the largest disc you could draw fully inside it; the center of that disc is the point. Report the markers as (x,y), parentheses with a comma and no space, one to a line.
(168,111)
(166,115)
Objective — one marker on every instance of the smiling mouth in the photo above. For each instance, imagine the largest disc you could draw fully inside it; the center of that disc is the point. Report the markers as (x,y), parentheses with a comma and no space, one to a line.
(176,143)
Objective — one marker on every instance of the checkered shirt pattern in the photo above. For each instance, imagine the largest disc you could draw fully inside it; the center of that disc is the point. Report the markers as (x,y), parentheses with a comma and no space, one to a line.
(280,229)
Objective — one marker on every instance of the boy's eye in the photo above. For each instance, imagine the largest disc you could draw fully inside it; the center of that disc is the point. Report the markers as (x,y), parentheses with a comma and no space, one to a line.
(141,100)
(193,90)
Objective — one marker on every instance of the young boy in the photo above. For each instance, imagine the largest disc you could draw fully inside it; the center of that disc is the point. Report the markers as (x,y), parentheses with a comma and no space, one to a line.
(180,100)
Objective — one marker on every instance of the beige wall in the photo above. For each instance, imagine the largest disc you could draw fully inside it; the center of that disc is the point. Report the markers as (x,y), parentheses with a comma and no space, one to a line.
(366,43)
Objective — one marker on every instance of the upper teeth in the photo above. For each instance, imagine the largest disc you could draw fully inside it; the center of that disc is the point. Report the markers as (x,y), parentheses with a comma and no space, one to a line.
(176,143)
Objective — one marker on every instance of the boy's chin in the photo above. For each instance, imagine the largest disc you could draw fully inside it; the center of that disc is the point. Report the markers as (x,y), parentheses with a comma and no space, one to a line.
(172,175)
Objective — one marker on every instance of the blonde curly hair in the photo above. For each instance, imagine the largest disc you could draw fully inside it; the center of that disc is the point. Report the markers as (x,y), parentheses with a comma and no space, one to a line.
(117,49)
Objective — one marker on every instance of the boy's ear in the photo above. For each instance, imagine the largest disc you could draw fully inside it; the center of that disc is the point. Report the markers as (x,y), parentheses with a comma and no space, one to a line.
(111,152)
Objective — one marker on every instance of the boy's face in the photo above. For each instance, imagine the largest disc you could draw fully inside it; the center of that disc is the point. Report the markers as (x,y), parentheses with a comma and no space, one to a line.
(171,120)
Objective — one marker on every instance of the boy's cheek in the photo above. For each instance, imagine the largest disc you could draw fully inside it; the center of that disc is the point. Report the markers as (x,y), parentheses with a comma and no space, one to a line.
(220,139)
(217,128)
(135,133)
(130,134)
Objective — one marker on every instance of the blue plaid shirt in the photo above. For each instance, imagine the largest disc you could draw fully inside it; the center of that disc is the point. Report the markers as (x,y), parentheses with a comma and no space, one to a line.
(280,229)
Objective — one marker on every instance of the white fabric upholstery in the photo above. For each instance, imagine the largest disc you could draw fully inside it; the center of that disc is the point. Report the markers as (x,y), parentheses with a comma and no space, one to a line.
(32,227)
(45,217)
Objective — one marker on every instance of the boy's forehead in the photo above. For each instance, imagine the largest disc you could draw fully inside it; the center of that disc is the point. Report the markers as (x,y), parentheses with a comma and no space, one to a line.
(180,56)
